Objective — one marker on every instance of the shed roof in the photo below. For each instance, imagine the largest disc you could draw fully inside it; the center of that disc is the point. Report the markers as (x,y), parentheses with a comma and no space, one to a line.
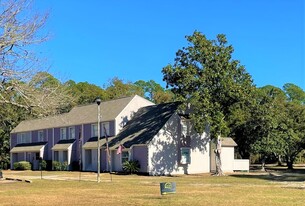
(92,142)
(78,115)
(146,123)
(228,142)
(28,147)
(63,145)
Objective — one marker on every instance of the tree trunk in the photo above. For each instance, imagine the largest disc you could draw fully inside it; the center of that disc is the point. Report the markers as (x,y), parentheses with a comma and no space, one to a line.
(290,165)
(218,164)
(289,161)
(263,163)
(279,160)
(218,158)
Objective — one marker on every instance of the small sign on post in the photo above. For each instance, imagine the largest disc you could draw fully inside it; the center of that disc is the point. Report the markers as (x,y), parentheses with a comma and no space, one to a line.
(167,188)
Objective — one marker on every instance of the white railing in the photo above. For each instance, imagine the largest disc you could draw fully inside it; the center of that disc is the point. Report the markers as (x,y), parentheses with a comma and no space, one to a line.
(241,165)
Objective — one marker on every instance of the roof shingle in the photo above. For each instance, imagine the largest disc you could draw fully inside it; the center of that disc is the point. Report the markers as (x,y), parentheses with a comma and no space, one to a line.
(78,115)
(146,123)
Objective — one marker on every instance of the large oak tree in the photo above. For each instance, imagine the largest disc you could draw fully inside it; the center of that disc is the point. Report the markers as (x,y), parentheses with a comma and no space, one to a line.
(206,76)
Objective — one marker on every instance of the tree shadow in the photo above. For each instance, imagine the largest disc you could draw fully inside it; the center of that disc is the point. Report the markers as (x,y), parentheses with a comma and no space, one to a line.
(277,176)
(167,146)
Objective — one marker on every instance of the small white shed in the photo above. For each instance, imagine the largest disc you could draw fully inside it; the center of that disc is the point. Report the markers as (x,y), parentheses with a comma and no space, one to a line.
(229,164)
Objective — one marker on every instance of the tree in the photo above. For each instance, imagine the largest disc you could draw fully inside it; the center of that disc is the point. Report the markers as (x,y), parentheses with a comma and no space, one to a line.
(117,88)
(154,91)
(10,116)
(19,32)
(25,89)
(205,75)
(294,93)
(281,132)
(85,93)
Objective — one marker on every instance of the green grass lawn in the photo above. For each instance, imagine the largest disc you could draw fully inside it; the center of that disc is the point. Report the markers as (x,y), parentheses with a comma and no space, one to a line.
(63,188)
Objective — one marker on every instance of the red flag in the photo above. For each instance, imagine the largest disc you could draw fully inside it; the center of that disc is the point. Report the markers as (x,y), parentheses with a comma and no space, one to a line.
(120,149)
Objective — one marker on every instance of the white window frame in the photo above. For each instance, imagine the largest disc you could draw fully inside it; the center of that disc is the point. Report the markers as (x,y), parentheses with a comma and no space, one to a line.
(40,136)
(94,130)
(107,127)
(124,156)
(56,155)
(63,133)
(23,138)
(71,132)
(185,127)
(185,155)
(65,156)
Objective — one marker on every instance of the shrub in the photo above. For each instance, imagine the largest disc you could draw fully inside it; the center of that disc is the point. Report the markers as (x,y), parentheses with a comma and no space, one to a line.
(56,165)
(43,165)
(64,166)
(22,165)
(60,166)
(131,166)
(3,166)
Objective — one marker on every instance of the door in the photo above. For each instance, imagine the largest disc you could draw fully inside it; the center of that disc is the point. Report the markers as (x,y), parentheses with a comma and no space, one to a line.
(88,159)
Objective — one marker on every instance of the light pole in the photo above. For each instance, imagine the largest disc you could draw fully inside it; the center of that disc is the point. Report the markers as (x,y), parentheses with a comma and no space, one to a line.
(98,102)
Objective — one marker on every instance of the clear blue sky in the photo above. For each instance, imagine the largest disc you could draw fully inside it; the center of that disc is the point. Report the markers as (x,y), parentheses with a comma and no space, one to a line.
(96,40)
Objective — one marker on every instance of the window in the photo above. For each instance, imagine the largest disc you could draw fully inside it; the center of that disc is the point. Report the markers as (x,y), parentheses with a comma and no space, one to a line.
(94,130)
(71,132)
(24,138)
(56,156)
(105,127)
(37,156)
(65,156)
(185,155)
(40,136)
(63,133)
(185,127)
(125,156)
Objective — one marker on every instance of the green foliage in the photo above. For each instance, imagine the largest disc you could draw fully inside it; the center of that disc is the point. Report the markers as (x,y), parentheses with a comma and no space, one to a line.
(117,88)
(4,166)
(43,165)
(294,93)
(279,124)
(205,75)
(22,165)
(85,93)
(60,166)
(154,91)
(131,166)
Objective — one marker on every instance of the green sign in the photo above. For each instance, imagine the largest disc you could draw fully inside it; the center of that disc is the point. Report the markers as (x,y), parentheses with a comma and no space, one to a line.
(167,188)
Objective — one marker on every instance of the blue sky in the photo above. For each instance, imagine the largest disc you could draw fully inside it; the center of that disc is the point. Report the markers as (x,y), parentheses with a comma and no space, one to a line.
(97,40)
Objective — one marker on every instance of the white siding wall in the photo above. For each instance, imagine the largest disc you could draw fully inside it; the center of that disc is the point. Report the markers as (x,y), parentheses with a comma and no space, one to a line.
(116,161)
(200,155)
(136,103)
(164,151)
(227,159)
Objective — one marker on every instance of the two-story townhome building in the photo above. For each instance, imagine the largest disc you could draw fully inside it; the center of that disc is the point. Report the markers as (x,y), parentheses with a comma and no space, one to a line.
(160,137)
(61,137)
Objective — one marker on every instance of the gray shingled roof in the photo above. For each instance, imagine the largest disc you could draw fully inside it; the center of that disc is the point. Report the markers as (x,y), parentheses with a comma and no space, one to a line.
(228,142)
(92,142)
(28,147)
(146,123)
(63,144)
(78,115)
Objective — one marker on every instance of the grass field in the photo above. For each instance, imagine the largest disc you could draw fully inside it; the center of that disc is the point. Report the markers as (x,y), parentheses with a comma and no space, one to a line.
(64,188)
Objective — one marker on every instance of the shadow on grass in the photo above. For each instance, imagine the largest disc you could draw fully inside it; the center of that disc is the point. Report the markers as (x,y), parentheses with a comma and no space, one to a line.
(277,174)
